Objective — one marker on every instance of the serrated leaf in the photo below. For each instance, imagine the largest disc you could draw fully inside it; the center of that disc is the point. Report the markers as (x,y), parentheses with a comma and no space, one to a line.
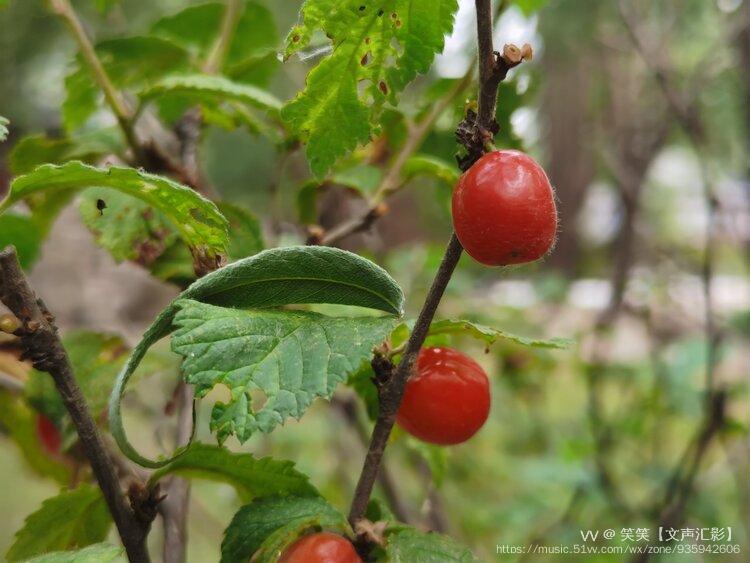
(3,128)
(69,520)
(491,335)
(20,423)
(197,219)
(275,277)
(21,232)
(202,87)
(256,522)
(130,62)
(431,166)
(293,357)
(406,545)
(97,553)
(383,43)
(251,476)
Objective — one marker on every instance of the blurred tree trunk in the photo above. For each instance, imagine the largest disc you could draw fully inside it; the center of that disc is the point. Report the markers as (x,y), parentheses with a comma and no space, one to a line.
(567,71)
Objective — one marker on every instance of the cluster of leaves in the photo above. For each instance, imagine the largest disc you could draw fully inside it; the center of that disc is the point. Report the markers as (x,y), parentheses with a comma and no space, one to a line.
(248,325)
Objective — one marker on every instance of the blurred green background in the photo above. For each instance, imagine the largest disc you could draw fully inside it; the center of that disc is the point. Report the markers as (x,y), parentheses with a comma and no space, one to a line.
(583,438)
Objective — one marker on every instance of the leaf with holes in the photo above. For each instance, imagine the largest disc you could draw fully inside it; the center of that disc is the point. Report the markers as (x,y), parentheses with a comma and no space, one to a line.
(292,357)
(69,520)
(275,277)
(252,477)
(199,222)
(266,519)
(490,335)
(382,44)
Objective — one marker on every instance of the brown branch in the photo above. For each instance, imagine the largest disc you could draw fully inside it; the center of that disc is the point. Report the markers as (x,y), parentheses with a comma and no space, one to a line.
(392,390)
(42,346)
(349,409)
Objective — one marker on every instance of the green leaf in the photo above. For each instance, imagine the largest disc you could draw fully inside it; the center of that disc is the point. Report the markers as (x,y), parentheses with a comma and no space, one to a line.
(197,219)
(292,357)
(34,150)
(245,237)
(256,522)
(280,276)
(252,477)
(385,45)
(97,553)
(431,166)
(202,87)
(130,62)
(70,520)
(96,359)
(21,232)
(362,177)
(19,421)
(127,227)
(3,128)
(255,36)
(406,545)
(491,335)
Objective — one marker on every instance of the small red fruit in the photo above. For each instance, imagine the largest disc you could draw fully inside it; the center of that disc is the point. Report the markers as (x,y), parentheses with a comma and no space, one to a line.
(324,547)
(504,210)
(447,400)
(48,435)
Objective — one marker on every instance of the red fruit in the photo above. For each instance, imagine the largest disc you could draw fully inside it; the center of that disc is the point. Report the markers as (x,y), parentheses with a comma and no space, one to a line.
(48,435)
(504,210)
(447,400)
(324,547)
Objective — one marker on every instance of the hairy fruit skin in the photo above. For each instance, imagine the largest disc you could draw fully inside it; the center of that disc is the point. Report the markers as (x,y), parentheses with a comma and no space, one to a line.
(48,435)
(447,400)
(504,210)
(324,547)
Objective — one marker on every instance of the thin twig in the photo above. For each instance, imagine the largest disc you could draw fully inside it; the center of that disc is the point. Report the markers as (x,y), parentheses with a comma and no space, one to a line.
(392,390)
(392,181)
(349,409)
(215,59)
(174,508)
(113,96)
(42,346)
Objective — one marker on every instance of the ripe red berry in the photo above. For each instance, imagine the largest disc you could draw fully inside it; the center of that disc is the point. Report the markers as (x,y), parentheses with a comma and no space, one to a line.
(48,435)
(447,400)
(324,547)
(504,210)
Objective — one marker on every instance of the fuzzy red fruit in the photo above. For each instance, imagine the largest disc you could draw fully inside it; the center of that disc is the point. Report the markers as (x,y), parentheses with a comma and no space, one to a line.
(48,435)
(504,210)
(447,400)
(324,547)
